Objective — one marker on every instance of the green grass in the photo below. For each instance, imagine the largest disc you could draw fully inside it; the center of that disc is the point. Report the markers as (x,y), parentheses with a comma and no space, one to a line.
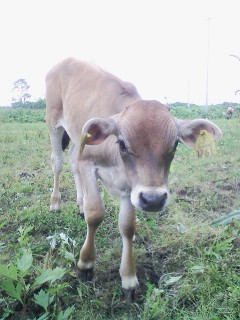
(187,268)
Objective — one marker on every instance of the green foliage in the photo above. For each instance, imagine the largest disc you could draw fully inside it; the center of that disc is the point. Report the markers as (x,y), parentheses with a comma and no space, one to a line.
(24,263)
(14,291)
(9,272)
(64,315)
(226,219)
(24,238)
(22,115)
(49,275)
(19,282)
(39,104)
(155,304)
(43,299)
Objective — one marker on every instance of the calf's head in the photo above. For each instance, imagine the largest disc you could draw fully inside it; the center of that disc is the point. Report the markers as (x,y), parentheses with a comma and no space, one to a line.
(147,137)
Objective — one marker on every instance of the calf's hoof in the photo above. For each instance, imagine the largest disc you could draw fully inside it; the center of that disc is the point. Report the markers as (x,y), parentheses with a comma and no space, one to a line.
(130,294)
(82,215)
(55,202)
(85,275)
(55,207)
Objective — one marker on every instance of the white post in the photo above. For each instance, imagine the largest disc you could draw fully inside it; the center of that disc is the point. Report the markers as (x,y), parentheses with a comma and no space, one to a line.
(206,104)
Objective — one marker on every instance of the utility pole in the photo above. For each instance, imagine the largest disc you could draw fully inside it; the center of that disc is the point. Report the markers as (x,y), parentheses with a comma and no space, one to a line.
(188,85)
(208,40)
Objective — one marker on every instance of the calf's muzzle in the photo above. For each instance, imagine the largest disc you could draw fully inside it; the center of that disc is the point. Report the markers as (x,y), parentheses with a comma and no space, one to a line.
(150,199)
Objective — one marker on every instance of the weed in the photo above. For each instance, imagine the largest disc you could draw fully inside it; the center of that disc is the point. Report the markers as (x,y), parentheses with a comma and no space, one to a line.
(22,280)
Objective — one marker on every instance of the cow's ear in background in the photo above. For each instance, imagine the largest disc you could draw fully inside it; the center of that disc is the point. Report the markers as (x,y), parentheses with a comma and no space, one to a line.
(188,130)
(96,130)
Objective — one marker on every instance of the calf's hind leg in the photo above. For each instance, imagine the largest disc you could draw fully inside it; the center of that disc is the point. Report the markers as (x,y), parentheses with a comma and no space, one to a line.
(56,135)
(73,160)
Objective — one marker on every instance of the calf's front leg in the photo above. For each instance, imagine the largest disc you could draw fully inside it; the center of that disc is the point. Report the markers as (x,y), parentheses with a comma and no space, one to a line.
(127,270)
(93,213)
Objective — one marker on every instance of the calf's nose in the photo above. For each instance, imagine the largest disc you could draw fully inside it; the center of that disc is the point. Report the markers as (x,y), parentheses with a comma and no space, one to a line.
(152,201)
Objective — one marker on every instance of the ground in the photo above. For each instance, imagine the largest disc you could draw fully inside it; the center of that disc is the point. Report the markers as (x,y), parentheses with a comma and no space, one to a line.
(188,267)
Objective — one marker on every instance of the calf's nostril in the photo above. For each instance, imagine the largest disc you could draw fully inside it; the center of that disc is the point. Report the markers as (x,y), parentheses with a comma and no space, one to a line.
(143,199)
(163,199)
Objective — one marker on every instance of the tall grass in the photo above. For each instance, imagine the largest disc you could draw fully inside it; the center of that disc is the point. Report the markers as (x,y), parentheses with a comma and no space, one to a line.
(187,268)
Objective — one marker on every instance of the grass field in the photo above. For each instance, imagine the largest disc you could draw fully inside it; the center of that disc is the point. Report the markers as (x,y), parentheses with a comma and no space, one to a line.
(188,266)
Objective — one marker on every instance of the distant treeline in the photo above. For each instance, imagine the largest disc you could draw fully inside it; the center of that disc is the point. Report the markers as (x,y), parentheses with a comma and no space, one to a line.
(184,104)
(41,104)
(180,110)
(35,111)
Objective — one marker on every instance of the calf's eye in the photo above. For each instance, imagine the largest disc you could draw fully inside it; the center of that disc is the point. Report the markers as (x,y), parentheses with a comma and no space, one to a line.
(122,145)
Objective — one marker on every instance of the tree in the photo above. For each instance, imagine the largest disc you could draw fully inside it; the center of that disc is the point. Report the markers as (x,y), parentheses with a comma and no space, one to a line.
(20,92)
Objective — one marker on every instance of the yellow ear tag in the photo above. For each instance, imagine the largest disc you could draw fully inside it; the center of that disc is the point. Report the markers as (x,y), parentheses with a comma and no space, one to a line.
(205,144)
(83,140)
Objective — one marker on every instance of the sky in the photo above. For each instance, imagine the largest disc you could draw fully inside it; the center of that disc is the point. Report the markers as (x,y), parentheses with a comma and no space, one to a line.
(161,46)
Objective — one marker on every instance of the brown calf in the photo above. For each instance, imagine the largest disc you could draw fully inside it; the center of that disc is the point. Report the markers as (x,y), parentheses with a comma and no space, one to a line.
(129,146)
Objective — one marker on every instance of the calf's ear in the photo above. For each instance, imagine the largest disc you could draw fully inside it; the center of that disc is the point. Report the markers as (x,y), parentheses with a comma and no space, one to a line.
(188,130)
(96,130)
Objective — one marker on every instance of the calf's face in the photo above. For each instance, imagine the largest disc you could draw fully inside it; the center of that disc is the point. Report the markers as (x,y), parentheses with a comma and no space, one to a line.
(146,134)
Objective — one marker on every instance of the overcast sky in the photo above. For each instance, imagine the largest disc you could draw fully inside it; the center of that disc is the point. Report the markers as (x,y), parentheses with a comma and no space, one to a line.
(160,46)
